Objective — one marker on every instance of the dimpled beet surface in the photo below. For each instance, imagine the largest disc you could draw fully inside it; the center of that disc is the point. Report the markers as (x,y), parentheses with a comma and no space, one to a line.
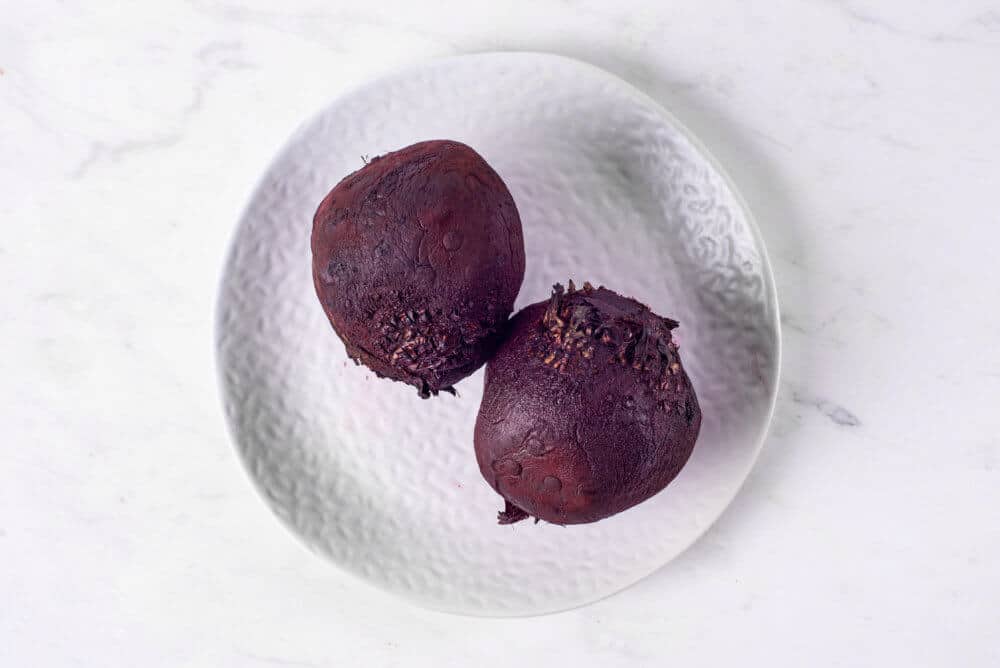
(586,408)
(417,260)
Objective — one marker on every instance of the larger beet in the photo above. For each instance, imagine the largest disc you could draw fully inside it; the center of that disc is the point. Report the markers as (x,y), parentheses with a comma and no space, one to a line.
(417,260)
(586,409)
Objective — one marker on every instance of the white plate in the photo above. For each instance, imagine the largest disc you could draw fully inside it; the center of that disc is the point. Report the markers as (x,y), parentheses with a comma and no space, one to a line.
(611,189)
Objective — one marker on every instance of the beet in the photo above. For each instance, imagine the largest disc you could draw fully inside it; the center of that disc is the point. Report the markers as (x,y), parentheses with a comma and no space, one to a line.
(417,260)
(586,409)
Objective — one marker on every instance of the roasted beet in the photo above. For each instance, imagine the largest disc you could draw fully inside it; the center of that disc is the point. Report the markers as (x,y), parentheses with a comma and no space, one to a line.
(417,260)
(586,410)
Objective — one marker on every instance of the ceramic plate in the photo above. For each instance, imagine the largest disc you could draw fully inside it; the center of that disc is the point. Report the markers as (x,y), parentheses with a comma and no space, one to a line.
(611,190)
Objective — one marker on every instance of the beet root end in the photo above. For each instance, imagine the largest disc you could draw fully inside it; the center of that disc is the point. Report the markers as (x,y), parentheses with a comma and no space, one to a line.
(424,391)
(510,514)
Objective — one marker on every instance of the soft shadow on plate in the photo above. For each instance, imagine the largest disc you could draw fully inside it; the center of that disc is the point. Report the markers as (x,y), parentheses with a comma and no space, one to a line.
(763,187)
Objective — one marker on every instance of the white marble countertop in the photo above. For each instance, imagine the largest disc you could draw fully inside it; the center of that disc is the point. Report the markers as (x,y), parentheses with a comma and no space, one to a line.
(863,134)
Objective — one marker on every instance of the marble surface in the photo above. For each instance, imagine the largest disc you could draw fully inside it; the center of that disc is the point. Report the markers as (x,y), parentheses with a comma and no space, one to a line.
(863,135)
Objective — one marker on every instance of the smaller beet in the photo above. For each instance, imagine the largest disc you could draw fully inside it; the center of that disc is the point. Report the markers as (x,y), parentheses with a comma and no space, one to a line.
(417,260)
(586,411)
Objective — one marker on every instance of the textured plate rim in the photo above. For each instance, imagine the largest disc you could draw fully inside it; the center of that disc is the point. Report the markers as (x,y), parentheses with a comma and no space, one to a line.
(699,147)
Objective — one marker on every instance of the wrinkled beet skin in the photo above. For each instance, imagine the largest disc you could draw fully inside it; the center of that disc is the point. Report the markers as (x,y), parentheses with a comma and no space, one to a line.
(569,430)
(417,260)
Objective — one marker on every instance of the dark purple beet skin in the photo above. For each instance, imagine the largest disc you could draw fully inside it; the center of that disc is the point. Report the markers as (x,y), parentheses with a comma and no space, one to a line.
(417,260)
(586,408)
